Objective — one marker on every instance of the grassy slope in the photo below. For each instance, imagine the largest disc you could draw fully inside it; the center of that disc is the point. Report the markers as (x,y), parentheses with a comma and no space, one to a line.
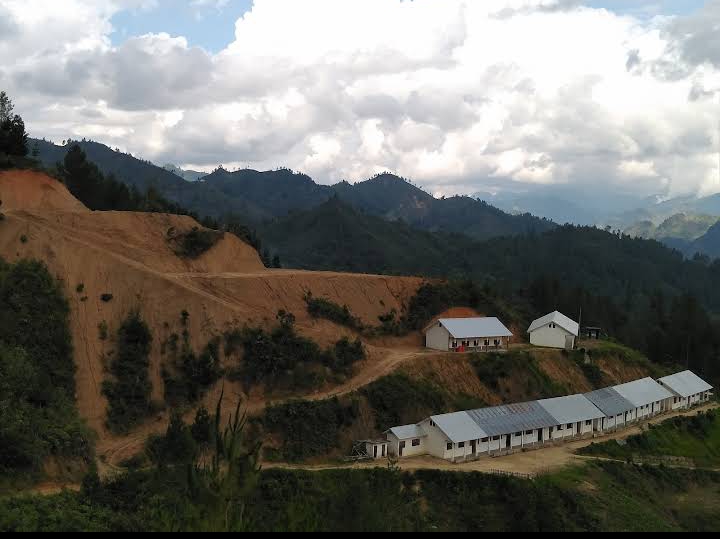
(694,438)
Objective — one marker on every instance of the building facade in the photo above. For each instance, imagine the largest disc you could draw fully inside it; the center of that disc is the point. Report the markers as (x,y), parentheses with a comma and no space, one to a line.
(467,335)
(554,330)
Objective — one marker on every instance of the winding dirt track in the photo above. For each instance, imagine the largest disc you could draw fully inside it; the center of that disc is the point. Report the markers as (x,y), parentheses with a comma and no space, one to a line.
(112,452)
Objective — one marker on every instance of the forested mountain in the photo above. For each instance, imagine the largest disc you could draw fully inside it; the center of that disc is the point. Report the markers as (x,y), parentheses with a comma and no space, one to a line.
(261,196)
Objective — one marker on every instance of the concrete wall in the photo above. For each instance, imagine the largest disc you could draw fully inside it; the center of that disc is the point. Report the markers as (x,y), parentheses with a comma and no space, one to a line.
(438,338)
(548,337)
(370,450)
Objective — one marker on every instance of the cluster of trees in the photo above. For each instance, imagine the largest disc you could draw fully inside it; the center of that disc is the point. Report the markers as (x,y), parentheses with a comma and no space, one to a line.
(129,389)
(38,417)
(13,138)
(282,359)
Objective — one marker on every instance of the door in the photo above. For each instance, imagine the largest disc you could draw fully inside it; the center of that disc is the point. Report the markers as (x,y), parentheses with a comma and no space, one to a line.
(473,447)
(541,435)
(508,441)
(402,449)
(569,342)
(375,453)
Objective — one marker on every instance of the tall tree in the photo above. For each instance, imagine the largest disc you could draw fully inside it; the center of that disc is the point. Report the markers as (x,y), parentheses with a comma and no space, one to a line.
(13,138)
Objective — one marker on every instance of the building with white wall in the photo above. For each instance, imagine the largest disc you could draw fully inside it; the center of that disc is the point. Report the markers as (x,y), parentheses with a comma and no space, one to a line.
(469,435)
(554,330)
(687,388)
(467,335)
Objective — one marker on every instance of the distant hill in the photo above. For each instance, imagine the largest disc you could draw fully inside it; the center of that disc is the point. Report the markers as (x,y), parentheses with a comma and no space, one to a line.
(187,175)
(708,244)
(335,236)
(681,231)
(263,196)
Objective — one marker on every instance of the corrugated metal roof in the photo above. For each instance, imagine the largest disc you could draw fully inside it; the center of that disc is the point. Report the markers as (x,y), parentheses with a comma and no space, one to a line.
(643,392)
(686,384)
(459,427)
(408,432)
(512,418)
(572,409)
(468,328)
(610,402)
(559,319)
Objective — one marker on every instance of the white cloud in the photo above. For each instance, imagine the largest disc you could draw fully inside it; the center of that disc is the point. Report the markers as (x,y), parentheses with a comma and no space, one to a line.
(452,93)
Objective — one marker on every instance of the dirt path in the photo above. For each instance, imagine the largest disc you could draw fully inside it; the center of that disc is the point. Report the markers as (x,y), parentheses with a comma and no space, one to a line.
(113,451)
(531,463)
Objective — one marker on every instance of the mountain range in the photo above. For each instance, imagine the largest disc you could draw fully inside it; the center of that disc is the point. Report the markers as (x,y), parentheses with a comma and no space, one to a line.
(261,197)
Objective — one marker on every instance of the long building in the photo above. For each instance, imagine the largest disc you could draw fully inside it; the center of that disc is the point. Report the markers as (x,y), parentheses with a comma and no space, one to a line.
(469,435)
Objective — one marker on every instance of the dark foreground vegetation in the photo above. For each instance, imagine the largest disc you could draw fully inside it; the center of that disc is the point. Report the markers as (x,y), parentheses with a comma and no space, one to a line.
(38,418)
(597,497)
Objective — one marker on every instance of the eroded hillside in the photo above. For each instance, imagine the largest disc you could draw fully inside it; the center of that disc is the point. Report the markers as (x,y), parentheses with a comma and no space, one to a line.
(113,263)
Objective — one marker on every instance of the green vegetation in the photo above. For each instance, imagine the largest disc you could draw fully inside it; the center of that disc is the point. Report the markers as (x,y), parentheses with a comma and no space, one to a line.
(595,497)
(38,418)
(282,359)
(696,438)
(23,239)
(494,368)
(106,298)
(190,375)
(128,391)
(196,242)
(324,308)
(308,429)
(13,138)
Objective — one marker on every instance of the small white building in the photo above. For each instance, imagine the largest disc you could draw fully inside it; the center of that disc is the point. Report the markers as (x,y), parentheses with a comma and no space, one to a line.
(617,409)
(647,396)
(407,441)
(376,449)
(467,335)
(554,330)
(687,388)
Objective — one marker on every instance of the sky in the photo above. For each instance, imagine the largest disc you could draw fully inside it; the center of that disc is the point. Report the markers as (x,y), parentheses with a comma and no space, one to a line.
(461,96)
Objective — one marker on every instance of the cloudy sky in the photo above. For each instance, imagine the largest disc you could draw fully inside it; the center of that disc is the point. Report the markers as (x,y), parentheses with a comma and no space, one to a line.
(459,95)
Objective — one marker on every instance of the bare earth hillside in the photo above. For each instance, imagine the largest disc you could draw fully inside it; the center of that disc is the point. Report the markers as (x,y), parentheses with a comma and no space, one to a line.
(128,256)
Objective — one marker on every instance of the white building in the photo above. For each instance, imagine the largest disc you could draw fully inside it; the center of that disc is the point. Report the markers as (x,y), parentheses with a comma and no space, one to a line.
(687,388)
(647,397)
(467,335)
(554,330)
(407,441)
(617,409)
(376,449)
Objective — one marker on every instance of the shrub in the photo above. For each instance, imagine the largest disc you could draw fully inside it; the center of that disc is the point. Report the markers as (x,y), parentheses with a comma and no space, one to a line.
(129,390)
(103,330)
(197,242)
(324,308)
(106,298)
(80,288)
(23,239)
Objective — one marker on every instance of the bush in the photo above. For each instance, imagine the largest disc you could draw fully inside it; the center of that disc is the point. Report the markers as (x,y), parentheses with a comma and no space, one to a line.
(197,242)
(324,308)
(103,330)
(106,298)
(80,288)
(38,418)
(129,390)
(23,239)
(309,429)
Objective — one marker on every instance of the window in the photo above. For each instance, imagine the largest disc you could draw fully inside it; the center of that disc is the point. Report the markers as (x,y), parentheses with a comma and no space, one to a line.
(496,438)
(560,428)
(518,434)
(432,423)
(461,445)
(487,342)
(588,423)
(416,443)
(449,447)
(485,440)
(570,425)
(476,343)
(529,433)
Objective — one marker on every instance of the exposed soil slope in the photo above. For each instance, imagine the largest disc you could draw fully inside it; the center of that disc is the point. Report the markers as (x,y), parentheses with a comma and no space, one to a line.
(29,190)
(128,256)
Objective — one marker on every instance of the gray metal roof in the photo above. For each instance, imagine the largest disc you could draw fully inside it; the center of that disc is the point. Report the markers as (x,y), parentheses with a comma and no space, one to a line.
(572,409)
(558,318)
(459,427)
(643,392)
(686,384)
(610,402)
(512,418)
(469,328)
(407,432)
